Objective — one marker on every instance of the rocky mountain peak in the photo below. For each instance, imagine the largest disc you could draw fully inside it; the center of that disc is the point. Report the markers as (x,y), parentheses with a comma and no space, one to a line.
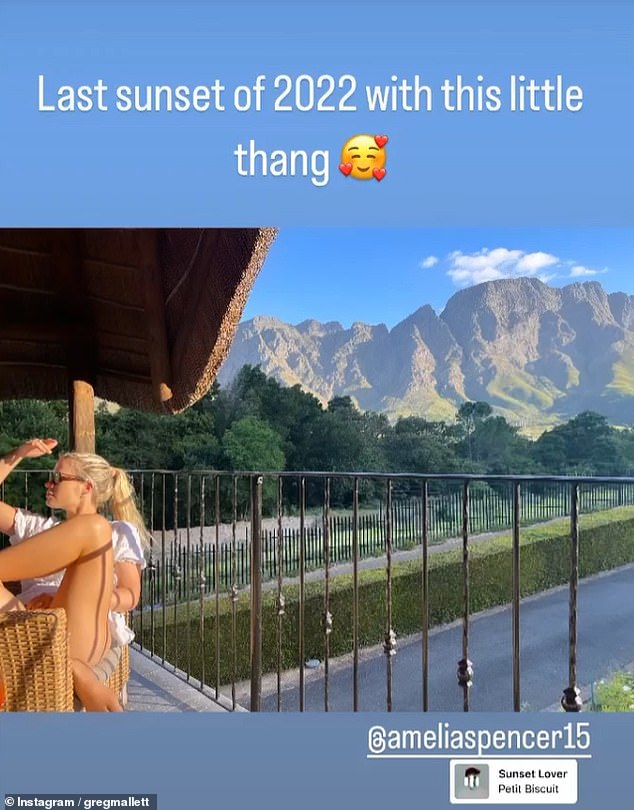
(535,352)
(317,329)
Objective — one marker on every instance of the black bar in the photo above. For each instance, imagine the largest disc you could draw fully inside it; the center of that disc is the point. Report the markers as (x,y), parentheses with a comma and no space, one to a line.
(465,670)
(327,617)
(302,573)
(233,593)
(256,593)
(425,593)
(280,596)
(571,700)
(217,577)
(188,573)
(177,570)
(202,581)
(516,596)
(389,646)
(355,595)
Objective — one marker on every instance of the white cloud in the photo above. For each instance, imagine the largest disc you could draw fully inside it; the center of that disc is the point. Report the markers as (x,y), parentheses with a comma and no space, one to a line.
(531,263)
(466,276)
(490,264)
(579,271)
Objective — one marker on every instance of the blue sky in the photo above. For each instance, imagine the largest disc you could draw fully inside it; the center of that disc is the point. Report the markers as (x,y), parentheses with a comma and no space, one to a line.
(383,275)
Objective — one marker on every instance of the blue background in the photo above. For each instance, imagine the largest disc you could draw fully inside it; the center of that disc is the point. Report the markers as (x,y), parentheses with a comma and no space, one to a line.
(307,761)
(458,169)
(172,169)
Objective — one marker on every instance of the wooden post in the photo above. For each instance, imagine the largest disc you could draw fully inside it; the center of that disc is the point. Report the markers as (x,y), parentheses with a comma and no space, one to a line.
(74,309)
(81,417)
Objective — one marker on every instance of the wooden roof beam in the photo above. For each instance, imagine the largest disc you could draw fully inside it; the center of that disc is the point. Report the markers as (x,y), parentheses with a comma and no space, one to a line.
(155,319)
(53,332)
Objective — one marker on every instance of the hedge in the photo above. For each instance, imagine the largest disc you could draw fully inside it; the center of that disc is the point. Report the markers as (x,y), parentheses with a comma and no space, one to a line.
(180,636)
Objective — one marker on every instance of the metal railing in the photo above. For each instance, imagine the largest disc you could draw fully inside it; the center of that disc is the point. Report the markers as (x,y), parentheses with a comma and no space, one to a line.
(333,508)
(241,564)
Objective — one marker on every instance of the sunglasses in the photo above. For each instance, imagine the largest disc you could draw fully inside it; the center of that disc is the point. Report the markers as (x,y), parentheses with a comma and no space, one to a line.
(58,477)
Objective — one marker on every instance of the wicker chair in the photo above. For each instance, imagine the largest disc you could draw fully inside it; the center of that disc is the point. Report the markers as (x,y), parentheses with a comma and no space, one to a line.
(34,662)
(35,666)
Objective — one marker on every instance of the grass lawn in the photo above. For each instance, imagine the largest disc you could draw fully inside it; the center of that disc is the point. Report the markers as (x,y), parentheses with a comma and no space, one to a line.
(615,694)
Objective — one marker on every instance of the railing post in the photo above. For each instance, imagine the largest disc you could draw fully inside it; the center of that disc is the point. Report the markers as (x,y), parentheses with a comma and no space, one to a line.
(302,576)
(355,594)
(517,507)
(571,700)
(233,590)
(425,591)
(326,622)
(256,592)
(389,644)
(281,600)
(465,666)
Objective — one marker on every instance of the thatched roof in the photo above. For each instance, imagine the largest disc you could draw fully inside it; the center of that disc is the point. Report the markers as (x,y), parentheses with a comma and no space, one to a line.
(145,316)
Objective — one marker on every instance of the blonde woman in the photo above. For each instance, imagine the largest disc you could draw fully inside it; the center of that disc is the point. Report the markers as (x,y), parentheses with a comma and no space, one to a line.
(82,548)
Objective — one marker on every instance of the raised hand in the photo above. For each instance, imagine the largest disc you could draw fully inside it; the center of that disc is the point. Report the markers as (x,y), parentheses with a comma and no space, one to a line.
(34,448)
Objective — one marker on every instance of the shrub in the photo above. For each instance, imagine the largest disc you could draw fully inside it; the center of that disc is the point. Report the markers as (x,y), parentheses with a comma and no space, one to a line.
(614,695)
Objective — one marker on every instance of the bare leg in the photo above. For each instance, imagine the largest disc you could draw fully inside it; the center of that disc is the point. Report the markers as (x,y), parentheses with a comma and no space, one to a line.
(83,546)
(86,588)
(95,696)
(82,537)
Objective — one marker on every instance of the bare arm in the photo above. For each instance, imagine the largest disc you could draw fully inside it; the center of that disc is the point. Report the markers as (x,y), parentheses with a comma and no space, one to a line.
(7,518)
(7,513)
(34,448)
(128,591)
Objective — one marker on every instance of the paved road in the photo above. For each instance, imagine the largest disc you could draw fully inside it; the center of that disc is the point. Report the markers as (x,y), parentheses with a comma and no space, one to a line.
(605,642)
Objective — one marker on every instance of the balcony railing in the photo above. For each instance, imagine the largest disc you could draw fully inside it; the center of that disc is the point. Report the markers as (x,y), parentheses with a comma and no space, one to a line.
(250,573)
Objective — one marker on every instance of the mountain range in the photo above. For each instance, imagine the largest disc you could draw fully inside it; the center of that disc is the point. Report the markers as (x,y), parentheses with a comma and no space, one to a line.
(537,354)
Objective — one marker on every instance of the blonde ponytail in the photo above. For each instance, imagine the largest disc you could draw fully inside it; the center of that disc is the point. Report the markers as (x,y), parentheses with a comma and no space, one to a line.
(123,504)
(112,488)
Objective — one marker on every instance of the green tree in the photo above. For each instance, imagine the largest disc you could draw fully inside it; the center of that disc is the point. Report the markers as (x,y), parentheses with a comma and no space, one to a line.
(295,418)
(336,441)
(586,445)
(625,442)
(251,444)
(469,416)
(291,412)
(375,429)
(25,419)
(497,448)
(139,440)
(418,446)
